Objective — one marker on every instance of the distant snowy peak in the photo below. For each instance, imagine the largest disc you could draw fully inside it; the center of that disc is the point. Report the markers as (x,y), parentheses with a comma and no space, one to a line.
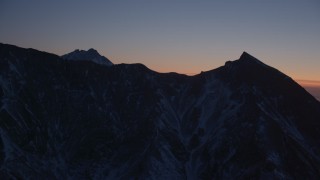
(91,55)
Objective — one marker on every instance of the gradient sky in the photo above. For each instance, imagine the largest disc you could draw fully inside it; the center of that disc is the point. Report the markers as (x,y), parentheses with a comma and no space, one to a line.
(185,36)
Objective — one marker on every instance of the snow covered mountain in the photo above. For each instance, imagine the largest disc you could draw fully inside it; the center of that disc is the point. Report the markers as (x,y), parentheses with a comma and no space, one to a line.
(79,120)
(91,55)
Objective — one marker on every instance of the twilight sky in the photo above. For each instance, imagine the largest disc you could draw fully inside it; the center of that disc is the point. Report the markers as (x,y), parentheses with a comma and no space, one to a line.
(185,36)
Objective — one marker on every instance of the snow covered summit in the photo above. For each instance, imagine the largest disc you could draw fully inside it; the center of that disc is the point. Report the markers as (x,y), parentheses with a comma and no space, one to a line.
(91,55)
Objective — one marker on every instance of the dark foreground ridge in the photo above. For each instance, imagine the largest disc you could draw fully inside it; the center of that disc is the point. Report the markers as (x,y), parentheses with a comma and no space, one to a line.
(81,120)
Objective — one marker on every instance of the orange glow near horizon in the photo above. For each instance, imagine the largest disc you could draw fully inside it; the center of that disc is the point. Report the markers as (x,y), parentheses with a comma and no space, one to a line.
(308,83)
(195,64)
(313,87)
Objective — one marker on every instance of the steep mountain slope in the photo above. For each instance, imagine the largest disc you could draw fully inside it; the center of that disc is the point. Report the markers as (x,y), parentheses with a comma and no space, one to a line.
(81,120)
(90,55)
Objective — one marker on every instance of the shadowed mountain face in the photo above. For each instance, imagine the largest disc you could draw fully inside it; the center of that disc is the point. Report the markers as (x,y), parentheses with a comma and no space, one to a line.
(78,119)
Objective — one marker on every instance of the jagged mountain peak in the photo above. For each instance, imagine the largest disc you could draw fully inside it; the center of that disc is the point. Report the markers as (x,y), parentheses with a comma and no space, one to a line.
(245,59)
(89,50)
(248,58)
(246,62)
(93,51)
(246,55)
(91,55)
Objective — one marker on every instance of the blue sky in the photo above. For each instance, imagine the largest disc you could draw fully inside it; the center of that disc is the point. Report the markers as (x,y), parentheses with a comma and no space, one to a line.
(185,36)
